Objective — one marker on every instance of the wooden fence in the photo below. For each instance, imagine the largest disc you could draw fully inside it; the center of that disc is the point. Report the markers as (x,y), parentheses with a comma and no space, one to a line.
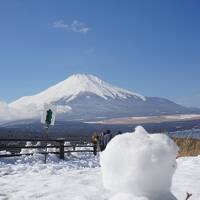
(14,146)
(188,146)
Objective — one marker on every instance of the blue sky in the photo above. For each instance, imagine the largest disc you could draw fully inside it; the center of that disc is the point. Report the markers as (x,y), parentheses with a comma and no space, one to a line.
(150,47)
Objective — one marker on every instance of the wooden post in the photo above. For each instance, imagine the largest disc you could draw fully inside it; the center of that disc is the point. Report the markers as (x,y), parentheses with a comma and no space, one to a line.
(95,149)
(62,149)
(74,147)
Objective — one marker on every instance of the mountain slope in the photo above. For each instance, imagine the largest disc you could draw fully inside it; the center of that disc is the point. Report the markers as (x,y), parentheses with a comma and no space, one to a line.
(83,97)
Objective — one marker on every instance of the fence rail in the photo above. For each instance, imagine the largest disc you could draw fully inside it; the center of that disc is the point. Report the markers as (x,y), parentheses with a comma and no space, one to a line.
(59,143)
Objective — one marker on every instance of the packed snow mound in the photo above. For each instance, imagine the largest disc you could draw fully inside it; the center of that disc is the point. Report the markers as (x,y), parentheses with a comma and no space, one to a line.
(140,163)
(71,87)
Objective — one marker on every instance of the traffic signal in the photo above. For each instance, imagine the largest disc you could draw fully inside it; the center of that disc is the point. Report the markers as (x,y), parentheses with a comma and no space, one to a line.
(49,116)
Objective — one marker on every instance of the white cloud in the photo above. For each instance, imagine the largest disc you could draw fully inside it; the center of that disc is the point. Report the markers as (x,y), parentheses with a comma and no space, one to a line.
(75,26)
(5,112)
(31,111)
(8,113)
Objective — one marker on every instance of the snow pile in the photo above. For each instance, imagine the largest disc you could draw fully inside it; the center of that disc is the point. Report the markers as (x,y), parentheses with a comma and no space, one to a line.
(4,152)
(140,164)
(31,150)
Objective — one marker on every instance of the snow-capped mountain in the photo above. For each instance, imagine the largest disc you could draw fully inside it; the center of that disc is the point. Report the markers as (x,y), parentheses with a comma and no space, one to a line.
(87,97)
(72,87)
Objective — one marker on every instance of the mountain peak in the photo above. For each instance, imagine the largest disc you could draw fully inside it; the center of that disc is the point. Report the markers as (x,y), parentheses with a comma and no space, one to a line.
(78,83)
(82,78)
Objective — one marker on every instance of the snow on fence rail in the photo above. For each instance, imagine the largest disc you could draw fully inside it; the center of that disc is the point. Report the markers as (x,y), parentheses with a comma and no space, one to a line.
(12,147)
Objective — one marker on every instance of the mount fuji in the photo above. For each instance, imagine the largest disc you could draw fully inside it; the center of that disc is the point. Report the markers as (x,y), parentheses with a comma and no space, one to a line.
(86,97)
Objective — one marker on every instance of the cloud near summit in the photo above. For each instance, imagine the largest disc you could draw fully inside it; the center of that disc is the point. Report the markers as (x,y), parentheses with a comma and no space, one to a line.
(74,26)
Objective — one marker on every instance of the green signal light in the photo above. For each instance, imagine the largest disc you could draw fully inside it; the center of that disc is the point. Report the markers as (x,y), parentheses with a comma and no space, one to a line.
(49,116)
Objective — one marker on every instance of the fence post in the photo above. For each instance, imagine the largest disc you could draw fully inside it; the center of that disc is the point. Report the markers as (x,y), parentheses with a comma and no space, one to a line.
(95,149)
(74,147)
(62,149)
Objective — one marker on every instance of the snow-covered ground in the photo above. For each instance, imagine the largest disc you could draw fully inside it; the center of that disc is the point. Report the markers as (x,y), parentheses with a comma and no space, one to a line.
(134,166)
(187,178)
(77,178)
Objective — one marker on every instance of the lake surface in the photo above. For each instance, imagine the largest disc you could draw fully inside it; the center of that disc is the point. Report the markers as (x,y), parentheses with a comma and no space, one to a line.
(194,133)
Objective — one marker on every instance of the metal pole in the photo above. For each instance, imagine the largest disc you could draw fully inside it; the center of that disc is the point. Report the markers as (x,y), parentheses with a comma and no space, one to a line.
(46,135)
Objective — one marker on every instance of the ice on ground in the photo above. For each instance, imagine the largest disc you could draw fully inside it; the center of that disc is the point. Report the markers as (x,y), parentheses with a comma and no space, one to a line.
(140,164)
